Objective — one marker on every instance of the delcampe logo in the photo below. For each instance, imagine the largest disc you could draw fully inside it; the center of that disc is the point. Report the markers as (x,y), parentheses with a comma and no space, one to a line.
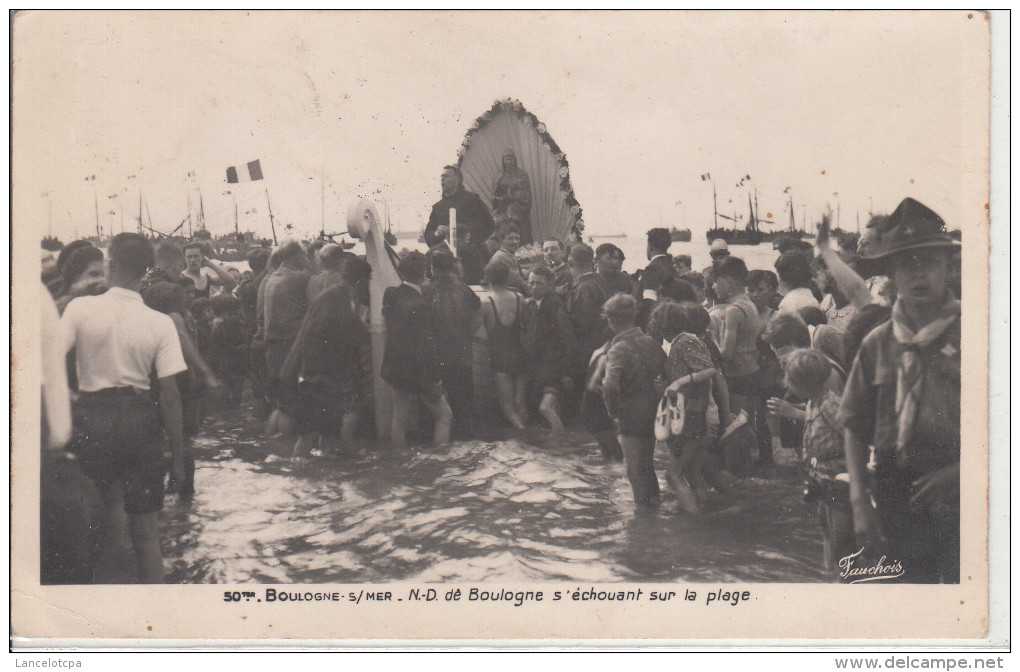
(880,571)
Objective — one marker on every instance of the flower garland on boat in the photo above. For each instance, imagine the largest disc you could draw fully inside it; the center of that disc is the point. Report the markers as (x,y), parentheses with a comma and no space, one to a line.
(548,144)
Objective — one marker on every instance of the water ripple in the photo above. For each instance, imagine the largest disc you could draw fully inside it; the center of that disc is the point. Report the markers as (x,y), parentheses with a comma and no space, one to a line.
(513,510)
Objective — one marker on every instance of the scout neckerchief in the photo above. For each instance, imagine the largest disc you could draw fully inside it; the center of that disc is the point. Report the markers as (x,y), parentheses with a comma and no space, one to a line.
(911,370)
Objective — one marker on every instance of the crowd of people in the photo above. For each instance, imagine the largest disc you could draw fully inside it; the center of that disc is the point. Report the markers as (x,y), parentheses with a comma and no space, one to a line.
(850,357)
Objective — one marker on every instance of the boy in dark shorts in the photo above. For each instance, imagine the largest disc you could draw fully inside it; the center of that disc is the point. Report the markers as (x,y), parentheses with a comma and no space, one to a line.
(763,290)
(823,461)
(737,337)
(903,398)
(118,428)
(410,363)
(550,347)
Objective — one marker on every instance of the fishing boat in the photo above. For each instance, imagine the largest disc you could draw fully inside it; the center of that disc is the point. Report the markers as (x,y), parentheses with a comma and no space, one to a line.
(784,241)
(789,237)
(233,246)
(680,235)
(735,236)
(749,235)
(388,235)
(51,244)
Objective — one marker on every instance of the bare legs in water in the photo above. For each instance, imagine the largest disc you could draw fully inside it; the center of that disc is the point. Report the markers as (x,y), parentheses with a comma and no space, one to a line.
(510,390)
(638,452)
(437,405)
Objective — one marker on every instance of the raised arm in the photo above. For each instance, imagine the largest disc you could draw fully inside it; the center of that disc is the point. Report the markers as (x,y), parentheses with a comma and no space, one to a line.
(222,278)
(852,285)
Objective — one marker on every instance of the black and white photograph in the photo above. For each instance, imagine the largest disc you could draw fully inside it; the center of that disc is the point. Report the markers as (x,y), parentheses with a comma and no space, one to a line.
(500,325)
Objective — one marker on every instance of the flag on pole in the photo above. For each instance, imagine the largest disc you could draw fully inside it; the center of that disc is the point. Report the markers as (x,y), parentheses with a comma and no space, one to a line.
(255,170)
(254,173)
(706,177)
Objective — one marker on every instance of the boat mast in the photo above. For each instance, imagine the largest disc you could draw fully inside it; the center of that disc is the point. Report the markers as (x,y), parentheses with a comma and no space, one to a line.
(272,222)
(715,205)
(95,203)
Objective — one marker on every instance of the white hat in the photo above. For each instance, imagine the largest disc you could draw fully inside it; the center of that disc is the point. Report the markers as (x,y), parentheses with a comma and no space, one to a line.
(719,245)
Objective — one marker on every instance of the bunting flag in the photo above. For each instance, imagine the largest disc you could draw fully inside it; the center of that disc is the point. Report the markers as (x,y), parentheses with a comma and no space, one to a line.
(254,173)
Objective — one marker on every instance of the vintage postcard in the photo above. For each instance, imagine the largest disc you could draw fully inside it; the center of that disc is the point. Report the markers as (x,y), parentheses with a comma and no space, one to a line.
(502,327)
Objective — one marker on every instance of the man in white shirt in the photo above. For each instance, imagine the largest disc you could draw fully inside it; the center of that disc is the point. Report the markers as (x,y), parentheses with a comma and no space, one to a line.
(794,271)
(119,429)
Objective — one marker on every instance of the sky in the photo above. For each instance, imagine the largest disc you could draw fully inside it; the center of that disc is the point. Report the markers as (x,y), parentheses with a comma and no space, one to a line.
(850,111)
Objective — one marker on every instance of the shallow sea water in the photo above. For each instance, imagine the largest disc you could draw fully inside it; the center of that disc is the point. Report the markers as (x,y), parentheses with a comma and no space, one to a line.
(524,509)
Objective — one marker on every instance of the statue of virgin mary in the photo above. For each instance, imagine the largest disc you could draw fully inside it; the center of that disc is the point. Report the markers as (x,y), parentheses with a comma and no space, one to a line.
(511,199)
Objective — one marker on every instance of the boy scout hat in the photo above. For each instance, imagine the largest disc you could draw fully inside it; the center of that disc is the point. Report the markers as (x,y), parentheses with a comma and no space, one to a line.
(911,226)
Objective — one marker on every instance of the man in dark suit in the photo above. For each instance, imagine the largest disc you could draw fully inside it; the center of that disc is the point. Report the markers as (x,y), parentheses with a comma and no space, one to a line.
(584,305)
(474,224)
(455,319)
(660,270)
(660,265)
(410,364)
